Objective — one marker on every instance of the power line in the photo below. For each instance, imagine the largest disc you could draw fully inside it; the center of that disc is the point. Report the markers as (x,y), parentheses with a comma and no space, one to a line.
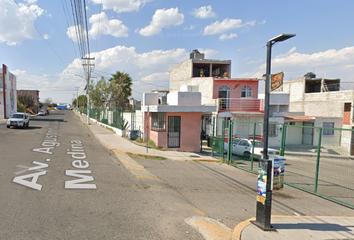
(39,32)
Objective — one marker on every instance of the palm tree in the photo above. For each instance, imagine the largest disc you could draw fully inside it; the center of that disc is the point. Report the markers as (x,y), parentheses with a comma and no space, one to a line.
(121,84)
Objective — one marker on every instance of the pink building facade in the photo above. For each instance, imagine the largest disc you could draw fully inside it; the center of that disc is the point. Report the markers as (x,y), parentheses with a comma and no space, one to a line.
(176,125)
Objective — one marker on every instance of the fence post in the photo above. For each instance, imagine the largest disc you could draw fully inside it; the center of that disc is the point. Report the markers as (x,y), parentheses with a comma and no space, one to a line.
(254,136)
(201,135)
(283,137)
(223,138)
(229,143)
(318,158)
(212,143)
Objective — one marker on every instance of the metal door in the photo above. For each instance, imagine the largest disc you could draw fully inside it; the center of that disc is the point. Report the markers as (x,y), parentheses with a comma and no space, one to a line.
(307,133)
(174,131)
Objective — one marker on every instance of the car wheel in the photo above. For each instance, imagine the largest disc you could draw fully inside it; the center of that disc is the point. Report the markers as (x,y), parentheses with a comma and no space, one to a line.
(8,126)
(27,125)
(247,155)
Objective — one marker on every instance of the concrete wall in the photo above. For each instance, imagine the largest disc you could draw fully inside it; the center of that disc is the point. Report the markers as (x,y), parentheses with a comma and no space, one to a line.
(150,99)
(328,140)
(324,104)
(180,75)
(184,98)
(204,86)
(294,134)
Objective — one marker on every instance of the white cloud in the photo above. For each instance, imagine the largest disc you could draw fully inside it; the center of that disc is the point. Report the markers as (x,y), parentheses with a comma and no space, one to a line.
(15,26)
(204,12)
(102,25)
(148,70)
(330,63)
(71,32)
(121,5)
(225,26)
(163,19)
(208,53)
(224,37)
(191,27)
(46,36)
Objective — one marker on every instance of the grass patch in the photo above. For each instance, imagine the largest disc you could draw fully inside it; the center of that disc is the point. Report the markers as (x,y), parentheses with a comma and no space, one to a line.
(110,129)
(146,156)
(151,144)
(223,160)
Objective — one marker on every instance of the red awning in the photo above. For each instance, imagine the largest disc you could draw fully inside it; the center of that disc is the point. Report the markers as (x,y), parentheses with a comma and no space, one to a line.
(299,118)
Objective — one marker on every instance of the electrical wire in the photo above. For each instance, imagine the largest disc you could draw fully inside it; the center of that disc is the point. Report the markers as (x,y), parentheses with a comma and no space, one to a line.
(40,33)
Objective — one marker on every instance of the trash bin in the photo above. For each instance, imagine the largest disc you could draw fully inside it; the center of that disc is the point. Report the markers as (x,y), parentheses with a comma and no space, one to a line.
(208,140)
(134,134)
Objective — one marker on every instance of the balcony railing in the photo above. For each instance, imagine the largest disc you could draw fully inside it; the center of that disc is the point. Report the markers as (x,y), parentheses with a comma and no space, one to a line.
(239,104)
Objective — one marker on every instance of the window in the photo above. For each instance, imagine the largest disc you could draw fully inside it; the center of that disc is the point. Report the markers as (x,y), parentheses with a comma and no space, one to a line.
(328,128)
(272,130)
(158,121)
(243,143)
(246,92)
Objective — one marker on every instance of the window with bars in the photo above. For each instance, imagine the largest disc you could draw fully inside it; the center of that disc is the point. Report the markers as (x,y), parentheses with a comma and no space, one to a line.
(328,131)
(158,121)
(272,130)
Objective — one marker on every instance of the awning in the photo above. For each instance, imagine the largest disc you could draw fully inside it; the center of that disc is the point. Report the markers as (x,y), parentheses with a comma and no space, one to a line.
(299,119)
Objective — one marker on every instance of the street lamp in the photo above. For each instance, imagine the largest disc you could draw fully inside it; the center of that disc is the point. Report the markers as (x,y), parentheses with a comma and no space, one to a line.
(264,196)
(270,43)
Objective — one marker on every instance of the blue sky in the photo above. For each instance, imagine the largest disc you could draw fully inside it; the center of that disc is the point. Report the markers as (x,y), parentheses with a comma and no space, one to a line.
(145,38)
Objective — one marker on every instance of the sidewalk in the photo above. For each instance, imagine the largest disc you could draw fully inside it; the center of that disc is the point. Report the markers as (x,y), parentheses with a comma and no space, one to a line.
(112,140)
(286,227)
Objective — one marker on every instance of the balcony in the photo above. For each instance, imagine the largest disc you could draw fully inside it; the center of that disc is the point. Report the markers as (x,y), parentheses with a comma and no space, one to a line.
(239,104)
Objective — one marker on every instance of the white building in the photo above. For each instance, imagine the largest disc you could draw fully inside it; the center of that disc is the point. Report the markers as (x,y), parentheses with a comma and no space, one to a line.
(8,93)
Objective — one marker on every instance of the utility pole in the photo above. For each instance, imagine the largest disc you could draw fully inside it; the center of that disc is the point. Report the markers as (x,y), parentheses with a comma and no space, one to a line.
(77,98)
(88,66)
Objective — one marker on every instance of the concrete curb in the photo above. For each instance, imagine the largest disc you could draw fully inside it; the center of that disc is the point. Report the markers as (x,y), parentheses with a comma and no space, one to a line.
(209,228)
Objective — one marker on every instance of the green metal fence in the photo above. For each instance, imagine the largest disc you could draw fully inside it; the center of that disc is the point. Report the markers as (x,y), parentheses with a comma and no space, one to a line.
(318,159)
(111,116)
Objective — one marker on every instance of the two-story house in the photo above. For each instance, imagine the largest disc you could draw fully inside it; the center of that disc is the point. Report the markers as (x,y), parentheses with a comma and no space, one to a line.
(328,98)
(235,98)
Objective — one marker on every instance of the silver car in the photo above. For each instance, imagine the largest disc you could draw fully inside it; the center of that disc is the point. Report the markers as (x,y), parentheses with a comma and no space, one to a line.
(18,120)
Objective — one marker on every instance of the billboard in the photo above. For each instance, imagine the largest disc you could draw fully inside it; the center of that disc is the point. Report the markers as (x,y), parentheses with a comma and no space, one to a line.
(277,81)
(9,101)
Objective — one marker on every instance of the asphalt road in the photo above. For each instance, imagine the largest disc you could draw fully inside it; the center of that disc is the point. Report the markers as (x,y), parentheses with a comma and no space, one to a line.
(59,182)
(228,194)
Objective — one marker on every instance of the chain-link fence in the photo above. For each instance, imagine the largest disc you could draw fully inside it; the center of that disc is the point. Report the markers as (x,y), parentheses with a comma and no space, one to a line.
(318,159)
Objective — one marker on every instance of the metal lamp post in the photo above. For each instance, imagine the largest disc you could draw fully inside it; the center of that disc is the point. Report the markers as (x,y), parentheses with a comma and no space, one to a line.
(270,43)
(264,185)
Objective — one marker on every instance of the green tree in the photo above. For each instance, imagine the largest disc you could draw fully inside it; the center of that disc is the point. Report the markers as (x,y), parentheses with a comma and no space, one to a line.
(26,100)
(74,103)
(121,88)
(20,107)
(82,101)
(99,93)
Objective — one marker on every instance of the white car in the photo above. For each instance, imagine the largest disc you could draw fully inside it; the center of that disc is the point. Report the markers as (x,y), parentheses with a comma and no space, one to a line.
(243,147)
(18,120)
(41,113)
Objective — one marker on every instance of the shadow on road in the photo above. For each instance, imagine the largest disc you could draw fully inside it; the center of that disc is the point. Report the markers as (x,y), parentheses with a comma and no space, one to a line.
(47,120)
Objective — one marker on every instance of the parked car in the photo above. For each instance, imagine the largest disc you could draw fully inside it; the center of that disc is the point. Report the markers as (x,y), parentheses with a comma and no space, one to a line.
(46,111)
(41,113)
(243,147)
(18,120)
